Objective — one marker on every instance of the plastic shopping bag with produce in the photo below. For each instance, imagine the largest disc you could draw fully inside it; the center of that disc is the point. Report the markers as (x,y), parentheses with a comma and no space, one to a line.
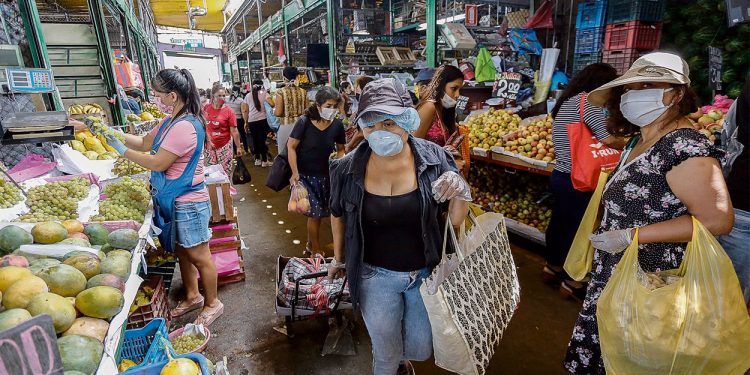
(299,201)
(687,321)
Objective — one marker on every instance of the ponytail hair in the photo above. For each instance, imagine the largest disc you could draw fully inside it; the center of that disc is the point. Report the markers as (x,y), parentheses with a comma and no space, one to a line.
(257,86)
(181,82)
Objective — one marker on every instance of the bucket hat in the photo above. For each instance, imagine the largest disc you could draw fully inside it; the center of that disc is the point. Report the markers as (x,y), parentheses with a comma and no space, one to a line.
(653,67)
(385,95)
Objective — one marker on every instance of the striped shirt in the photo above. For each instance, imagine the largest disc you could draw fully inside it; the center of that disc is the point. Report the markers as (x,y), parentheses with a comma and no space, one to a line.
(568,114)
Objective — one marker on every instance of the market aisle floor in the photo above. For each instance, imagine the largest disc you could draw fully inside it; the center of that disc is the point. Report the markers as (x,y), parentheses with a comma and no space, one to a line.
(535,342)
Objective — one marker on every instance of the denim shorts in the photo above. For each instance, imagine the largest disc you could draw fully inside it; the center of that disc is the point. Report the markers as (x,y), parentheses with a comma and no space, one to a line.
(191,223)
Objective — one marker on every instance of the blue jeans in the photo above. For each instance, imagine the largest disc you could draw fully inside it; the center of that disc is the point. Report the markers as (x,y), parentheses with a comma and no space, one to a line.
(191,223)
(737,246)
(395,317)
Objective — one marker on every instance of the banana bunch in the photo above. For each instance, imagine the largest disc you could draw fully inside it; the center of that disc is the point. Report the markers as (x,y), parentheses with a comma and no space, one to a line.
(92,108)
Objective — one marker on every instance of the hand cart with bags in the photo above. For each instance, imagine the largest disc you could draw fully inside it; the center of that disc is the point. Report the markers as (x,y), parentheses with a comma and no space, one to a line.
(303,290)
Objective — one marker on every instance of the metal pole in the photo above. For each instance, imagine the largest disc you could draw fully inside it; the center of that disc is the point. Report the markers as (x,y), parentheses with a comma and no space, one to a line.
(331,25)
(287,53)
(431,47)
(262,47)
(144,69)
(249,76)
(105,57)
(38,46)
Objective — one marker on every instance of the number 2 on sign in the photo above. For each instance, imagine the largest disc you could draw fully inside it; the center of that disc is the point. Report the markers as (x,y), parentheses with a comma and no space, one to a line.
(506,89)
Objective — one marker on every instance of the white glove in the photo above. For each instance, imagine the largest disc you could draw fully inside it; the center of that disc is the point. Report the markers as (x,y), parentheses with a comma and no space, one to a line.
(451,185)
(613,241)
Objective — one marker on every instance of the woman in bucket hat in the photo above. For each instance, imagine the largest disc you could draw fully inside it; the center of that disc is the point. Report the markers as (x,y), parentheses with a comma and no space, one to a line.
(387,197)
(667,173)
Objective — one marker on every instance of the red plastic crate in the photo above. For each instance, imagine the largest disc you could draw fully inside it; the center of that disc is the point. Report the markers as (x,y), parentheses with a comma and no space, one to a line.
(622,59)
(157,308)
(633,35)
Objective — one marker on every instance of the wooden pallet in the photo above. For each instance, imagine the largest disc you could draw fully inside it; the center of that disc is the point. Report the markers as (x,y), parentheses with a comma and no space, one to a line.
(221,200)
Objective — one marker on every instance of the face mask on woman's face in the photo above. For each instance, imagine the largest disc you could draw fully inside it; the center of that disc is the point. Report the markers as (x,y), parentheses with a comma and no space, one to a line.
(642,107)
(448,101)
(328,113)
(385,143)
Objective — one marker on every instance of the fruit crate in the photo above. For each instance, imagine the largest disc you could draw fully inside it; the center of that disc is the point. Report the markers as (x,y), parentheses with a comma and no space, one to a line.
(222,205)
(165,270)
(158,307)
(622,59)
(589,40)
(582,60)
(632,34)
(590,13)
(139,345)
(635,10)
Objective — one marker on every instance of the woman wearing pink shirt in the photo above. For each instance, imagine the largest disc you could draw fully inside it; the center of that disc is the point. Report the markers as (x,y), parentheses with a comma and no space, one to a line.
(173,152)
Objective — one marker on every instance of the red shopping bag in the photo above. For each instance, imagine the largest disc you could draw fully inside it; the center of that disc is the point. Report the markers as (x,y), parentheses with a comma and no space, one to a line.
(128,73)
(588,156)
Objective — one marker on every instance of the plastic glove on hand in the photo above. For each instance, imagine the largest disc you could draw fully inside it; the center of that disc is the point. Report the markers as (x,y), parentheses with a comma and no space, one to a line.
(450,185)
(116,144)
(613,242)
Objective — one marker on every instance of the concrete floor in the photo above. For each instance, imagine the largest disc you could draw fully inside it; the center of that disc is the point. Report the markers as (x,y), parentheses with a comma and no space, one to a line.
(534,343)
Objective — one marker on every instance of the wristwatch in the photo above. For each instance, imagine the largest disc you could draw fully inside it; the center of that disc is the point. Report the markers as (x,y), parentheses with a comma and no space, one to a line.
(337,264)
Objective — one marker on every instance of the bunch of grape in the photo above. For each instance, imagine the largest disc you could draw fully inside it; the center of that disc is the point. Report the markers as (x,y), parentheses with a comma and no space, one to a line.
(125,167)
(55,201)
(187,343)
(127,199)
(97,126)
(10,195)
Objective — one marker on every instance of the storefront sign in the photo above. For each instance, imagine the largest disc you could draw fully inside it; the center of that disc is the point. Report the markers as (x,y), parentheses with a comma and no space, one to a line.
(30,348)
(715,60)
(507,85)
(472,15)
(461,103)
(188,43)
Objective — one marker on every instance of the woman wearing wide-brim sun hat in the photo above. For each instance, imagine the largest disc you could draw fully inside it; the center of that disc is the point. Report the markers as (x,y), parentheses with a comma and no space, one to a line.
(667,173)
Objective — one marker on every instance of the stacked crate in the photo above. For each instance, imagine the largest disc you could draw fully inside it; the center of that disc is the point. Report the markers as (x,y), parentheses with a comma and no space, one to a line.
(589,33)
(225,243)
(633,30)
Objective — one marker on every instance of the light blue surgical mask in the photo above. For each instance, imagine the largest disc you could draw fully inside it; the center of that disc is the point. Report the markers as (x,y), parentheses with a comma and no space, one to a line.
(385,143)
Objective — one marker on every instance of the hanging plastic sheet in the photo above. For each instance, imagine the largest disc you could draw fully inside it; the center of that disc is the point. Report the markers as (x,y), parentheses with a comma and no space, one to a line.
(525,41)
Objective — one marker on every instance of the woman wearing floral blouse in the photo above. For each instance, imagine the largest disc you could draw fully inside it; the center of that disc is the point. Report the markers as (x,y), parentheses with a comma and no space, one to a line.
(668,173)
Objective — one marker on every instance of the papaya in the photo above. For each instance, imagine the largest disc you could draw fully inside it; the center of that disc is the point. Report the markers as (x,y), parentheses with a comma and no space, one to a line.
(14,260)
(181,366)
(80,353)
(106,279)
(97,234)
(76,242)
(91,327)
(81,252)
(58,308)
(79,235)
(120,253)
(12,237)
(123,239)
(11,274)
(100,302)
(40,264)
(63,280)
(73,226)
(49,232)
(20,293)
(13,317)
(89,265)
(116,265)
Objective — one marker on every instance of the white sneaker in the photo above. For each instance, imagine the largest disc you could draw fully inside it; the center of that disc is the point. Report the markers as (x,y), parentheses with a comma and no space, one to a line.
(267,164)
(257,162)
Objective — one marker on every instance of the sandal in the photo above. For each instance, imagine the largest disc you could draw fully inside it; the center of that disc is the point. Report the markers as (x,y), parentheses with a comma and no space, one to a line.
(569,291)
(551,276)
(206,318)
(182,308)
(405,368)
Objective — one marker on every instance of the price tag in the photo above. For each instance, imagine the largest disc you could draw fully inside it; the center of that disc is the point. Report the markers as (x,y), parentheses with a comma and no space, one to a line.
(461,103)
(715,60)
(507,85)
(30,348)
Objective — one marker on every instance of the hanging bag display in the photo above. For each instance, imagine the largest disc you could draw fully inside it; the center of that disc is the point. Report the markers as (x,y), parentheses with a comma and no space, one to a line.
(688,321)
(470,298)
(588,156)
(581,254)
(485,67)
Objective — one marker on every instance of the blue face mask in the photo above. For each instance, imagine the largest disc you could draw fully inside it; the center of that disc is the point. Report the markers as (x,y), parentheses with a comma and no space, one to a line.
(385,143)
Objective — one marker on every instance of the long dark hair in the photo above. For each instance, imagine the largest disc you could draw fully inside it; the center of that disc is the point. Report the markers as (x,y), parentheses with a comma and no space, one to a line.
(436,90)
(235,92)
(181,82)
(257,86)
(323,95)
(618,125)
(588,79)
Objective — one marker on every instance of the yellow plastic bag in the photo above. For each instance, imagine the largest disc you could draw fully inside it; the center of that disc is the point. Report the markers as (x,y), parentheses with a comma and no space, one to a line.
(581,253)
(697,324)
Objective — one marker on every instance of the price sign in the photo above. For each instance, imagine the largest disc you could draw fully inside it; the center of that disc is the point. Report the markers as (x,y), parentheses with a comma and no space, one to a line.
(715,60)
(461,103)
(30,348)
(507,85)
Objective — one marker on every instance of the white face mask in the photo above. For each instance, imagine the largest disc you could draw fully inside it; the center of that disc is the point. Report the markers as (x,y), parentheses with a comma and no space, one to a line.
(328,113)
(448,102)
(642,107)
